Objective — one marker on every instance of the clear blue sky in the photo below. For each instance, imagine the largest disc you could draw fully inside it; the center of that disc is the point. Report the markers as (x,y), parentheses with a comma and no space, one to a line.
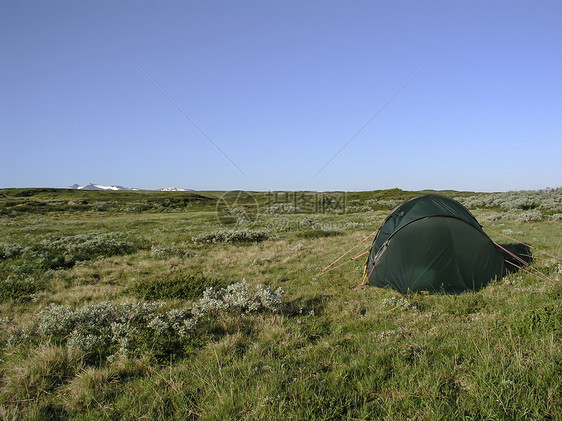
(280,87)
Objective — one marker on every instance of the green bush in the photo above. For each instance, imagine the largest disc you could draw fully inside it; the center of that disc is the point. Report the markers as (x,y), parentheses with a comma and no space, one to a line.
(282,208)
(163,252)
(231,236)
(66,251)
(19,288)
(63,252)
(175,285)
(9,250)
(236,298)
(547,200)
(104,330)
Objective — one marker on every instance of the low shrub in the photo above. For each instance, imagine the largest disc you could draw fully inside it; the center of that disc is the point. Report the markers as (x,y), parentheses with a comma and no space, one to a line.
(10,250)
(524,217)
(383,203)
(65,252)
(282,208)
(237,298)
(175,285)
(231,236)
(358,209)
(393,302)
(19,288)
(104,330)
(529,216)
(163,252)
(87,246)
(318,233)
(548,200)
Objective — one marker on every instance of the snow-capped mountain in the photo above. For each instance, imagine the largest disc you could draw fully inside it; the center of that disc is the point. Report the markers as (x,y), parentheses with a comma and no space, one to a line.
(172,189)
(93,186)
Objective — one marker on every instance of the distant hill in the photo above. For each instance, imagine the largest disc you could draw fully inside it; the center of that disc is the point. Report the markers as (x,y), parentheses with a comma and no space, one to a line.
(92,186)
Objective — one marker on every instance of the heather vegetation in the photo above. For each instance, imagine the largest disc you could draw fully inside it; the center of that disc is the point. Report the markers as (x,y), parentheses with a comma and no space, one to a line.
(231,236)
(144,305)
(547,201)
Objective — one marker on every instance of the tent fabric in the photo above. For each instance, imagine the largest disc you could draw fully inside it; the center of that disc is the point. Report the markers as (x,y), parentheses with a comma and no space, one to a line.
(432,243)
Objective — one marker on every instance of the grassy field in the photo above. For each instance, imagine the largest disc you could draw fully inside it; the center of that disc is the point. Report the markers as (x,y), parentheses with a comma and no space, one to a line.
(199,305)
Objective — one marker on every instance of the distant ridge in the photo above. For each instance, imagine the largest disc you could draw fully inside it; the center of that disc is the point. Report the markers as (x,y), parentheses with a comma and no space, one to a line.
(93,186)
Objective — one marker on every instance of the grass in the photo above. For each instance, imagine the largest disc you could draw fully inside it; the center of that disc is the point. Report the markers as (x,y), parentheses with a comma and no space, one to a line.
(331,350)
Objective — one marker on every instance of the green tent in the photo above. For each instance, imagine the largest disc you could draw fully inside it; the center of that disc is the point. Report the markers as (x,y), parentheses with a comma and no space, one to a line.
(432,243)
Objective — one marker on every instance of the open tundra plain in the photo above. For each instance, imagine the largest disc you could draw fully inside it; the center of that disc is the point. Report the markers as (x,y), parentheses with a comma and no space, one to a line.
(207,305)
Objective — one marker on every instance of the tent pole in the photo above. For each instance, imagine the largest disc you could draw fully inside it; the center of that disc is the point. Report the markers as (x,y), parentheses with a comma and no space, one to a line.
(345,254)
